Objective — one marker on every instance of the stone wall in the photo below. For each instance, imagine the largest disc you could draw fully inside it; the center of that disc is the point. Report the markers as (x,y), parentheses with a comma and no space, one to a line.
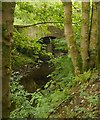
(38,32)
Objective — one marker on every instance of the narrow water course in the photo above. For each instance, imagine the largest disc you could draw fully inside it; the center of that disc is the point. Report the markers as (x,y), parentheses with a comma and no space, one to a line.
(37,77)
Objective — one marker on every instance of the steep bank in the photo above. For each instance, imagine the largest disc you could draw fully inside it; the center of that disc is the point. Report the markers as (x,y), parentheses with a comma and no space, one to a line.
(84,102)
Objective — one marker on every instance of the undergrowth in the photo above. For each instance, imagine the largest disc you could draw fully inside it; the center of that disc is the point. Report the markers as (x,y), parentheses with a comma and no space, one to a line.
(43,102)
(19,59)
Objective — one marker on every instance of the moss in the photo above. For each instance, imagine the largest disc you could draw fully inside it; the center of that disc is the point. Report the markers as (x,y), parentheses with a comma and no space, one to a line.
(79,63)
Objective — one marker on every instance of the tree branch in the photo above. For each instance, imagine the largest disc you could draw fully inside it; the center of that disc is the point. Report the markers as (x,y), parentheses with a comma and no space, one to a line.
(24,26)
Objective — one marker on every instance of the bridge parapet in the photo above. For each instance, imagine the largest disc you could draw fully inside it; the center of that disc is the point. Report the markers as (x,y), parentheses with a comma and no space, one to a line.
(37,32)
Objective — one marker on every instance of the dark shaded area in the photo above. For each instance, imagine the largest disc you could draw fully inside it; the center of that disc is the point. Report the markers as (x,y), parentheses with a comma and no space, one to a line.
(46,45)
(37,78)
(47,40)
(37,75)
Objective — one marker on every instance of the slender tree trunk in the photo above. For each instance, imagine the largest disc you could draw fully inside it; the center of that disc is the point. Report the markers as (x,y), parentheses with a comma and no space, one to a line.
(93,35)
(85,34)
(98,38)
(0,61)
(72,48)
(7,29)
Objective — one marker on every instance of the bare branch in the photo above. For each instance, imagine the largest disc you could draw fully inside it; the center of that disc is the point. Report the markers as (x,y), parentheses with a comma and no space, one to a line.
(23,26)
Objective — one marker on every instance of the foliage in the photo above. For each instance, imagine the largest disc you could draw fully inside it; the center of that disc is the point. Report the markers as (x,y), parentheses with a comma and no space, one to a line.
(81,78)
(44,101)
(63,69)
(60,44)
(47,100)
(26,44)
(42,12)
(93,99)
(27,50)
(90,110)
(19,97)
(19,59)
(76,19)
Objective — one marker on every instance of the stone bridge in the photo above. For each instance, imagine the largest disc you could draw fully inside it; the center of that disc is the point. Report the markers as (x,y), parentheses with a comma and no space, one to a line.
(38,32)
(44,33)
(37,77)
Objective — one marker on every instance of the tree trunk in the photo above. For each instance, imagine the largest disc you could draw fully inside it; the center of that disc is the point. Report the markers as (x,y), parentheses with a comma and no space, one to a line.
(85,35)
(0,61)
(7,29)
(93,35)
(98,38)
(72,48)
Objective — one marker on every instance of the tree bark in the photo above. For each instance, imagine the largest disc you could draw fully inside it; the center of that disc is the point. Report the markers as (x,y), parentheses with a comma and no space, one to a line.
(72,47)
(0,61)
(85,34)
(7,29)
(98,38)
(93,35)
